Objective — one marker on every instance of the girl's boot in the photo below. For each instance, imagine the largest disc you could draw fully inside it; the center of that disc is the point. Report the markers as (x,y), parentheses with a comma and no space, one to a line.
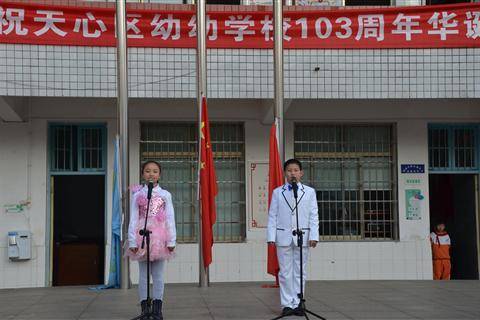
(144,304)
(157,310)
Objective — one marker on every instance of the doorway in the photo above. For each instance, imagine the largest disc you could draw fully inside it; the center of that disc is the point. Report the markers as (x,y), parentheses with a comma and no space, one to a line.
(78,229)
(453,200)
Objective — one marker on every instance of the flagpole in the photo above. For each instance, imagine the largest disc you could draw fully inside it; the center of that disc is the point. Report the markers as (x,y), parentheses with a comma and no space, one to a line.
(201,91)
(278,71)
(122,127)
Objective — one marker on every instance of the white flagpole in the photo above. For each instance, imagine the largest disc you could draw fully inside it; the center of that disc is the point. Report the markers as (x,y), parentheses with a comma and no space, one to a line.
(201,92)
(122,127)
(278,71)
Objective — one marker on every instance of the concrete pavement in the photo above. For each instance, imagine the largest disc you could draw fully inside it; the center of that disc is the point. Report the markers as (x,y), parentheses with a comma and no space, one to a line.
(333,300)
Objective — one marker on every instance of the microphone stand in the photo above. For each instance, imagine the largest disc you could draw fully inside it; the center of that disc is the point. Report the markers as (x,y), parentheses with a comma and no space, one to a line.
(299,233)
(145,233)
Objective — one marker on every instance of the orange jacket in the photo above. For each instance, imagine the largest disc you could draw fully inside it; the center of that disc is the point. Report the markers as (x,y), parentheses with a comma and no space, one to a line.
(440,245)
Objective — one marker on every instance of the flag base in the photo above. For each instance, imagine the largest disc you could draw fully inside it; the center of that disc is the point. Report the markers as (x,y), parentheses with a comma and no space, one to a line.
(270,286)
(276,285)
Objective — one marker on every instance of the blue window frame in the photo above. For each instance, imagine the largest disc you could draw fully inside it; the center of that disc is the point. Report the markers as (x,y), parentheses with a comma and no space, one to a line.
(453,148)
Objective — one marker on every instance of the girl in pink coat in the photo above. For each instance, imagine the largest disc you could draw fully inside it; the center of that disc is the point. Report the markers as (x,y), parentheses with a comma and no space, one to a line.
(161,224)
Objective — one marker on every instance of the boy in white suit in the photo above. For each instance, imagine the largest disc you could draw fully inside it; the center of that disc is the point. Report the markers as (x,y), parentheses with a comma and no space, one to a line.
(281,224)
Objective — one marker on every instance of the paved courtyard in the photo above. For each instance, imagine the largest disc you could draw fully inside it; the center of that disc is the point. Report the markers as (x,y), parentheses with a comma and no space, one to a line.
(331,299)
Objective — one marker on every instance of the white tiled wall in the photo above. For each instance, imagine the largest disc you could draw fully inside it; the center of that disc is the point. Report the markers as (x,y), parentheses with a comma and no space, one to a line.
(388,73)
(23,274)
(242,73)
(20,180)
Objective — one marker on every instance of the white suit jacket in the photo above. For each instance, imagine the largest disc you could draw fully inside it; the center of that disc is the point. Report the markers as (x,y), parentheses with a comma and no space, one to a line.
(282,218)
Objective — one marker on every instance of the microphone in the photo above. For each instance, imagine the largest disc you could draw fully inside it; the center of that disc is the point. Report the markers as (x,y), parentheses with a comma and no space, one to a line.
(294,187)
(150,188)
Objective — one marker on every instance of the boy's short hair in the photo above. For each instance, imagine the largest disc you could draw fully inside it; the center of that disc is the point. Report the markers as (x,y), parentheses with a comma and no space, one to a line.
(292,161)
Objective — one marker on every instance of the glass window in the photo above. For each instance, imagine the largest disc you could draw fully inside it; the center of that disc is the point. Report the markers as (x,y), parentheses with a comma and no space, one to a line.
(161,1)
(91,148)
(62,145)
(367,2)
(464,143)
(430,2)
(318,2)
(453,147)
(438,146)
(352,169)
(174,145)
(77,148)
(223,2)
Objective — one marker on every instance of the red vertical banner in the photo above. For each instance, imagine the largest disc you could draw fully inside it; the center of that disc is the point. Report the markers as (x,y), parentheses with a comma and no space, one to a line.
(275,179)
(208,187)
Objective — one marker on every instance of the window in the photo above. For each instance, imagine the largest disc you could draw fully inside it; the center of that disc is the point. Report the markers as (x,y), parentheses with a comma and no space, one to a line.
(367,2)
(297,2)
(438,148)
(91,148)
(233,2)
(77,148)
(430,2)
(318,2)
(174,145)
(63,140)
(352,168)
(161,1)
(223,2)
(453,148)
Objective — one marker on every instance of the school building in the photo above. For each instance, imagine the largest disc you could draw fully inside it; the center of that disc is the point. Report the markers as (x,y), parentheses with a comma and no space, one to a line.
(389,138)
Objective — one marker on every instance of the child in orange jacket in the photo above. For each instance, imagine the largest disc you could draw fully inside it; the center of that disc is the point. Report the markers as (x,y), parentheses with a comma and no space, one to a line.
(440,252)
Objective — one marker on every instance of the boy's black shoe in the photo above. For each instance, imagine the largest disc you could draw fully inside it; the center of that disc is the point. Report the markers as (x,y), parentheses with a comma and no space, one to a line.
(287,311)
(298,311)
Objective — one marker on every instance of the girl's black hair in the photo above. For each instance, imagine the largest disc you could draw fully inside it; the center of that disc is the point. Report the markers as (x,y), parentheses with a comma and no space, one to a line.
(151,161)
(292,161)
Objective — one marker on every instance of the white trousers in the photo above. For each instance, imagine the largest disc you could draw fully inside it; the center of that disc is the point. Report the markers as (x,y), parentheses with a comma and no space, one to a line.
(156,270)
(289,275)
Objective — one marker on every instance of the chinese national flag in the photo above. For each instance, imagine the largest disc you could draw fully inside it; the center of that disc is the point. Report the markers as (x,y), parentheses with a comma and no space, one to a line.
(208,188)
(275,179)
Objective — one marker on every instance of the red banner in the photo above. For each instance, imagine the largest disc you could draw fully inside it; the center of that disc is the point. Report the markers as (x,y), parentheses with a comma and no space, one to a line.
(208,187)
(456,25)
(275,179)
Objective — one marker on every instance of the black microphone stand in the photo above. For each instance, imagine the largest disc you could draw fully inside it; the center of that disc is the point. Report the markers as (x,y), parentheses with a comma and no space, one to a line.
(148,314)
(299,233)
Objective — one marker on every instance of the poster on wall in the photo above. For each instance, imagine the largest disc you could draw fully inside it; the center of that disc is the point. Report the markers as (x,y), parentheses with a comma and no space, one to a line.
(414,204)
(413,181)
(13,208)
(258,186)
